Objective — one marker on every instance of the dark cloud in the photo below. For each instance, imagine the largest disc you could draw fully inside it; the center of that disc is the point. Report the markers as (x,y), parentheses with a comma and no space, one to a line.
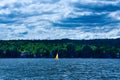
(97,7)
(89,20)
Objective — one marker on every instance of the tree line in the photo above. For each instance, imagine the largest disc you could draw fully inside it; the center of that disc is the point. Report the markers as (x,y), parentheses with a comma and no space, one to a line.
(97,48)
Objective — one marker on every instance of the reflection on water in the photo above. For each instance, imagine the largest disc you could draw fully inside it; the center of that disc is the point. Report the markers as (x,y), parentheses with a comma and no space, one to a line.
(62,69)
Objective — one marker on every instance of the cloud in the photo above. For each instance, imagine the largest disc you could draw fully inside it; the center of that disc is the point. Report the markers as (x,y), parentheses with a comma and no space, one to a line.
(57,19)
(115,15)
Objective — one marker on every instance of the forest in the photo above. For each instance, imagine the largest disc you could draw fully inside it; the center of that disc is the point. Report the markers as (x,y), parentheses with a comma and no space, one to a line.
(66,48)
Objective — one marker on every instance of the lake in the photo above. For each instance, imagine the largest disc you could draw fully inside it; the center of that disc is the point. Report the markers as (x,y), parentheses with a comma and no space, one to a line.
(62,69)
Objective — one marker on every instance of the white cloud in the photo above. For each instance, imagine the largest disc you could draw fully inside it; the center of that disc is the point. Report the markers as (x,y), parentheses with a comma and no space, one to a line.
(115,15)
(6,2)
(56,33)
(5,11)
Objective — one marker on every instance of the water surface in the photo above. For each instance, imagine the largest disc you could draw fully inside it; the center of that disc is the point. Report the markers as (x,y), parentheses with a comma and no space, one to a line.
(62,69)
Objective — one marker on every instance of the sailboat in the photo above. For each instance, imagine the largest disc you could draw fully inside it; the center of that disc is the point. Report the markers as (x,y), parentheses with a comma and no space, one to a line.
(56,57)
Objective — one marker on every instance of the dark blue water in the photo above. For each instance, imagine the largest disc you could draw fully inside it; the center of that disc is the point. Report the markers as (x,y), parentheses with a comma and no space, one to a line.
(62,69)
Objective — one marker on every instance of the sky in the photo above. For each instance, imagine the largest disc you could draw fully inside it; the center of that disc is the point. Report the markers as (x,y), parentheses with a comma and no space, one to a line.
(59,19)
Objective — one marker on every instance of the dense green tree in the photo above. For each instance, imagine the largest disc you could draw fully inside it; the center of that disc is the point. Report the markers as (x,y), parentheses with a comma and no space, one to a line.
(98,48)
